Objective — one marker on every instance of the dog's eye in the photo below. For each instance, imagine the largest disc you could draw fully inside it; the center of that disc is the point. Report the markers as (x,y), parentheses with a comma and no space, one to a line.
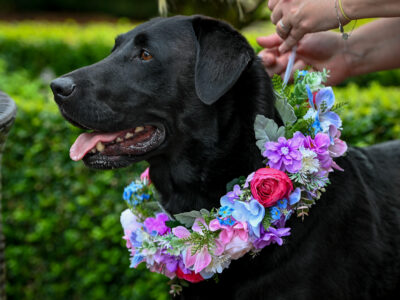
(145,55)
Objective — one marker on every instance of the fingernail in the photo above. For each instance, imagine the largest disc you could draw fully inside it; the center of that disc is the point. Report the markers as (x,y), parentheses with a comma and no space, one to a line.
(282,49)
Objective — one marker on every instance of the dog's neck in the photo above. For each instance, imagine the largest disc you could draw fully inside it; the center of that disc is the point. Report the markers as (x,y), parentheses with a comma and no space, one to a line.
(194,175)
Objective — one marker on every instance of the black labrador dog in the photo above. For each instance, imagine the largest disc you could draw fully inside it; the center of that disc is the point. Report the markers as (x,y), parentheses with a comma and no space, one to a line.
(183,93)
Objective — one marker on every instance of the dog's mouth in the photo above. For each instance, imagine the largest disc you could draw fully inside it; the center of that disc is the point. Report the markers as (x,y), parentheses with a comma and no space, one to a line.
(116,149)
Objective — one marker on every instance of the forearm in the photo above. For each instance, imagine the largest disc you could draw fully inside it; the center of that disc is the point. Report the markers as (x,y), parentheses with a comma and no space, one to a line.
(374,47)
(360,9)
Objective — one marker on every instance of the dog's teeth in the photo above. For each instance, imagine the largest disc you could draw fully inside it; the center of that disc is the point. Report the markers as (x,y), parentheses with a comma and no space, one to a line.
(129,135)
(119,140)
(93,150)
(99,146)
(139,129)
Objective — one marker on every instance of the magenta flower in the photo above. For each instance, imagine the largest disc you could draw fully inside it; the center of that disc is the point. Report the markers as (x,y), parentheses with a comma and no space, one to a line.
(284,154)
(157,224)
(320,145)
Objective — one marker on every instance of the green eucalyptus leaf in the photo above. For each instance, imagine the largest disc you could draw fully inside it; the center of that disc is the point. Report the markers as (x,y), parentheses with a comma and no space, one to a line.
(286,111)
(266,130)
(188,218)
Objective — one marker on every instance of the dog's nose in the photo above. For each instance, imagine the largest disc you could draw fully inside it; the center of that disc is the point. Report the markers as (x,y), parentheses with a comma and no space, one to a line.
(62,87)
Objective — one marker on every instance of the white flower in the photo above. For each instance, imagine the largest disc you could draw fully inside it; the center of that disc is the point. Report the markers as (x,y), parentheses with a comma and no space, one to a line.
(128,220)
(218,264)
(309,162)
(311,114)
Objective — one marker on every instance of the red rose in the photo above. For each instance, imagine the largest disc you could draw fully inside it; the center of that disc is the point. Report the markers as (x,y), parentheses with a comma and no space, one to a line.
(270,185)
(192,277)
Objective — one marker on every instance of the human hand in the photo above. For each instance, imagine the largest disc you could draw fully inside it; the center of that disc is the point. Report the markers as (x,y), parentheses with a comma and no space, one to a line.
(318,50)
(295,18)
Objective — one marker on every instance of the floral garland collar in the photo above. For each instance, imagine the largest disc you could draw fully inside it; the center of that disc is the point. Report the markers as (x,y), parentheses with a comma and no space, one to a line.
(198,245)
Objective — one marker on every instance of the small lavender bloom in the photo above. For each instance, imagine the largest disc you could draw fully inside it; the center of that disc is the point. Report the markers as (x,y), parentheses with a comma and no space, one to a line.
(170,262)
(136,238)
(275,213)
(272,235)
(235,194)
(248,179)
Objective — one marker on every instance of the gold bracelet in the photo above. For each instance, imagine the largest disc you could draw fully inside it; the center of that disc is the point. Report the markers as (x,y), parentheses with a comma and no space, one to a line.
(341,9)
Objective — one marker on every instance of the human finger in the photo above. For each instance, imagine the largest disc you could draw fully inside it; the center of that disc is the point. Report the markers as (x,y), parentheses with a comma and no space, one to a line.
(279,67)
(270,41)
(272,4)
(268,58)
(276,14)
(294,36)
(283,29)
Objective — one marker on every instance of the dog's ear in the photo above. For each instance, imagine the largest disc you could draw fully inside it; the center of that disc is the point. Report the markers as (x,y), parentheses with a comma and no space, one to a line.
(222,55)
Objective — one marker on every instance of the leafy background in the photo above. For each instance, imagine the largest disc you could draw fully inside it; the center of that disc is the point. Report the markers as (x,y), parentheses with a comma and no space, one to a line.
(61,219)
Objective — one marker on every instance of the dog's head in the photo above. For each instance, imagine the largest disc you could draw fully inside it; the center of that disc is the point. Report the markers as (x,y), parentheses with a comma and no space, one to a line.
(164,73)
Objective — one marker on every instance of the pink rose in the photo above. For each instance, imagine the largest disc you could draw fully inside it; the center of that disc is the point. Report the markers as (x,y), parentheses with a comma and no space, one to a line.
(270,185)
(237,247)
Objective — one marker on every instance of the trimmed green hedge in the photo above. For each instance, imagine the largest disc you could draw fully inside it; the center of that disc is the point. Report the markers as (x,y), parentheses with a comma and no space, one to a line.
(62,47)
(61,219)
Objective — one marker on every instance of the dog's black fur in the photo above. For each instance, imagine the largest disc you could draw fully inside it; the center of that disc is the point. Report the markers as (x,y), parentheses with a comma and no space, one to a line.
(203,87)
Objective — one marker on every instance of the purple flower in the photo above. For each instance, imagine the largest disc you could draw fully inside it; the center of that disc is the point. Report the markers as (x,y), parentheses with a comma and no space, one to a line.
(157,224)
(272,235)
(235,194)
(284,154)
(170,262)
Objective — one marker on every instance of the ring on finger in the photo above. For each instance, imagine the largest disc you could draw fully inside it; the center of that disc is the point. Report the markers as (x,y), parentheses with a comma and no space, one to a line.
(285,28)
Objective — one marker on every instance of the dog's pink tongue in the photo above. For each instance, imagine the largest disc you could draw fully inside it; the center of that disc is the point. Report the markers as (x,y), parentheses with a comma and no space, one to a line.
(87,141)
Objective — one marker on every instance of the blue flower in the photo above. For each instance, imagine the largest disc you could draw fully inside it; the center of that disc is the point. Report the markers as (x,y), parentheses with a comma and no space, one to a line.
(137,259)
(320,110)
(225,211)
(275,213)
(251,212)
(295,196)
(303,73)
(282,204)
(228,221)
